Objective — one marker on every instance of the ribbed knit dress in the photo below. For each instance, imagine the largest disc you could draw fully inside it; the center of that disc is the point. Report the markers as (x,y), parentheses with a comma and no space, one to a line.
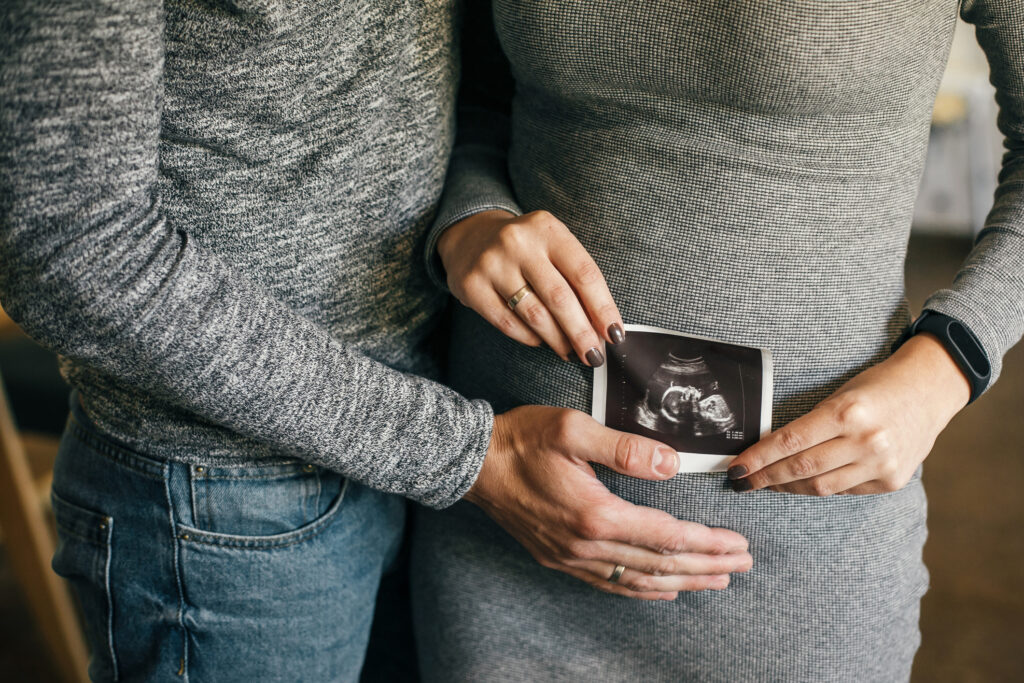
(745,171)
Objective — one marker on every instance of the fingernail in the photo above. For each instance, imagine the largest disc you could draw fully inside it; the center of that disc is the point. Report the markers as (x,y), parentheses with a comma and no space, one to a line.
(665,461)
(616,333)
(595,357)
(741,485)
(736,471)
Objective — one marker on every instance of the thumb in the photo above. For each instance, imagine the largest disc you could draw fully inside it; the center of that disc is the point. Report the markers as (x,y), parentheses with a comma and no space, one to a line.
(632,455)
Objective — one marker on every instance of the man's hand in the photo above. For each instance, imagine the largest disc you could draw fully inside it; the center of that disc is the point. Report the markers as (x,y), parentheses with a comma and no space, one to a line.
(869,436)
(536,483)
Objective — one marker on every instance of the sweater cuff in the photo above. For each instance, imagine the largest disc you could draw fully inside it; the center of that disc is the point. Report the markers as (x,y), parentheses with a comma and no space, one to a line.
(477,181)
(478,426)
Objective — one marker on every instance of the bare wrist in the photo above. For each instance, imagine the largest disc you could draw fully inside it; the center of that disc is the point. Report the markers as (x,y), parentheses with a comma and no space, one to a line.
(947,384)
(494,464)
(450,237)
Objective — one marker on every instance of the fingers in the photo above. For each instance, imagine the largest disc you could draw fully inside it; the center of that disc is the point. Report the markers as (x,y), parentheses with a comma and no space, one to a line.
(641,582)
(602,584)
(807,431)
(661,532)
(535,314)
(561,300)
(805,465)
(494,310)
(582,273)
(629,454)
(654,563)
(840,480)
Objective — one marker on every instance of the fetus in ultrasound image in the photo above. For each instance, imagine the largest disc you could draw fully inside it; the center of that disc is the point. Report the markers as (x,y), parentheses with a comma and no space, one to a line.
(683,397)
(698,395)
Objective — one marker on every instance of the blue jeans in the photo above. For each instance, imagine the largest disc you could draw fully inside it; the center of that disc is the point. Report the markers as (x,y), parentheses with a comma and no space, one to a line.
(218,573)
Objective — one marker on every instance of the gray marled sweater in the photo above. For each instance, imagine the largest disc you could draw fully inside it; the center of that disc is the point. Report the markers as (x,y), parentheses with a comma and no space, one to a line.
(214,213)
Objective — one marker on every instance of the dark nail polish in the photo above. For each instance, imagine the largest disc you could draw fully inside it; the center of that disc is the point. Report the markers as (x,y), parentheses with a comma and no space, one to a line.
(595,358)
(616,333)
(742,485)
(736,471)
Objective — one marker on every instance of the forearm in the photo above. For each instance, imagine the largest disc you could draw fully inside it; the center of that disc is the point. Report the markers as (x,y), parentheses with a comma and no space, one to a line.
(93,270)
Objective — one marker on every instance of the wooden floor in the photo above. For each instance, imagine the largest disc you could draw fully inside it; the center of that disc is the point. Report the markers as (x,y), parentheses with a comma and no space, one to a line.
(972,619)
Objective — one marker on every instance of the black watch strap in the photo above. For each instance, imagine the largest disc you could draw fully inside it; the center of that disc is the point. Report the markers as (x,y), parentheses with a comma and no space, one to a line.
(961,344)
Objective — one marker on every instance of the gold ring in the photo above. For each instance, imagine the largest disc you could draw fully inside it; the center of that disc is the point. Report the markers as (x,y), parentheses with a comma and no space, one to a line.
(521,294)
(617,573)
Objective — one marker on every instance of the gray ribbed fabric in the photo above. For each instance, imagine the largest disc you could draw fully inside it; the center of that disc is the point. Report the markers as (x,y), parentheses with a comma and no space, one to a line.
(215,213)
(745,171)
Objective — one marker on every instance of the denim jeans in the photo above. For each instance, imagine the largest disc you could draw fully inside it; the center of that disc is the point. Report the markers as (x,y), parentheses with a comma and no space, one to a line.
(249,572)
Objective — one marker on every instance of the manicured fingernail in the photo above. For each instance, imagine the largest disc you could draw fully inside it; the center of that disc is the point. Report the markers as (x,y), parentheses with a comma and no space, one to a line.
(665,461)
(741,485)
(616,333)
(595,357)
(736,471)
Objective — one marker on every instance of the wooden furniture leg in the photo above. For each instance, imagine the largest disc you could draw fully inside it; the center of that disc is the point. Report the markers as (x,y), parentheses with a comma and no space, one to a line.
(30,546)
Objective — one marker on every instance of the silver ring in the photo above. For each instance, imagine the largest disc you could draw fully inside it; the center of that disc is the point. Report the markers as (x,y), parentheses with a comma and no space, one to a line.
(617,573)
(520,294)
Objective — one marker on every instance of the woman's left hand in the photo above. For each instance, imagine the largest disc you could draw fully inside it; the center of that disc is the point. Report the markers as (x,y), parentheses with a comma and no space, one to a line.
(869,436)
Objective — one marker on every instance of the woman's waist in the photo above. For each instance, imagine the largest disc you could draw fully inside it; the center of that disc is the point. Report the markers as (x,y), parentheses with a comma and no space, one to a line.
(812,353)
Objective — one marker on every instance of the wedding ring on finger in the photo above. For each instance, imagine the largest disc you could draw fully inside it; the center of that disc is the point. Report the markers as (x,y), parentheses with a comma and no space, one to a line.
(617,573)
(520,294)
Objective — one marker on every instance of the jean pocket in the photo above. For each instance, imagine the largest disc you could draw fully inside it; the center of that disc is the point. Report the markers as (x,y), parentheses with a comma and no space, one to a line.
(83,557)
(250,505)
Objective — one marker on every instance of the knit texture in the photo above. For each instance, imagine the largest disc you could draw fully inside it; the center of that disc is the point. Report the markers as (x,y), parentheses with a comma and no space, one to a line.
(745,171)
(214,212)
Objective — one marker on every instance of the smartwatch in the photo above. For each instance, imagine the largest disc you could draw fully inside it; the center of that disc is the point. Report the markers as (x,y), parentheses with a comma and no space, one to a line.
(961,344)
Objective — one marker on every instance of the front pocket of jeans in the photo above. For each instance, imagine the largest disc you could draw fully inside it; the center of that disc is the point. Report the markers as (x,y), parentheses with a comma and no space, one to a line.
(249,506)
(83,557)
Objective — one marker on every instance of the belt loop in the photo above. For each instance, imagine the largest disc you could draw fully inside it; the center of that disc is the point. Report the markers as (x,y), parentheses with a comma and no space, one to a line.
(179,486)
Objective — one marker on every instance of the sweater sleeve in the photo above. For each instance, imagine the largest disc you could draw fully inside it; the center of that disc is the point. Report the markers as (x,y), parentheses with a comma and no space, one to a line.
(477,177)
(988,292)
(92,269)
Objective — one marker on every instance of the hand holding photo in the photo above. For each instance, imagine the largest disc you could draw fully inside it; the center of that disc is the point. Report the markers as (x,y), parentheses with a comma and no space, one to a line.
(706,398)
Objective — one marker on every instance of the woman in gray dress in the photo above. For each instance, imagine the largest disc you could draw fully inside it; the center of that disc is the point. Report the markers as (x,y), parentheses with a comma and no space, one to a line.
(744,171)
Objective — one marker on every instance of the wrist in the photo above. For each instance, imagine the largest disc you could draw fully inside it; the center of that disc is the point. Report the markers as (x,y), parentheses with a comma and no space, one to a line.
(450,238)
(945,383)
(494,465)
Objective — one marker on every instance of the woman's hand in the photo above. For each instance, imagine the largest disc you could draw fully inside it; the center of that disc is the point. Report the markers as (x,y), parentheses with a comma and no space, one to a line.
(492,255)
(869,436)
(536,483)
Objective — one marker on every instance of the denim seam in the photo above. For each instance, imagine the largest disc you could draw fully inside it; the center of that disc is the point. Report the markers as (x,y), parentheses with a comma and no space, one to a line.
(110,597)
(319,492)
(280,475)
(118,455)
(248,543)
(192,494)
(177,575)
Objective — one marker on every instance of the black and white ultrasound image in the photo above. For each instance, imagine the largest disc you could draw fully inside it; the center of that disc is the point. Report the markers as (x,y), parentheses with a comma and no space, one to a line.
(697,395)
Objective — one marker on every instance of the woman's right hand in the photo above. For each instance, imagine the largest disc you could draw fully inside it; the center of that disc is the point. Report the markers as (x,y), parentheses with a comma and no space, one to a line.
(491,255)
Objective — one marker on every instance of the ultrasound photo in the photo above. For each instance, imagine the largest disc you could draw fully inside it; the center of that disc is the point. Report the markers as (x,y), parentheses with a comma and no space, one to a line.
(706,398)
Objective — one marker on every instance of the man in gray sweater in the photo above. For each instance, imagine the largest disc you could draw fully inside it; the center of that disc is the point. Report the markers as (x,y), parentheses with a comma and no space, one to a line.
(215,214)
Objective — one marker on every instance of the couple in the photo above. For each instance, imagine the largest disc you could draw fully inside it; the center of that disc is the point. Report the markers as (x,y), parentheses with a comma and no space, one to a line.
(228,220)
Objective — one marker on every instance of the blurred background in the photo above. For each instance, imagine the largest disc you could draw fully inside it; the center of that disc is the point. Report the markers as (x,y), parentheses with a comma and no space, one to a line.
(972,618)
